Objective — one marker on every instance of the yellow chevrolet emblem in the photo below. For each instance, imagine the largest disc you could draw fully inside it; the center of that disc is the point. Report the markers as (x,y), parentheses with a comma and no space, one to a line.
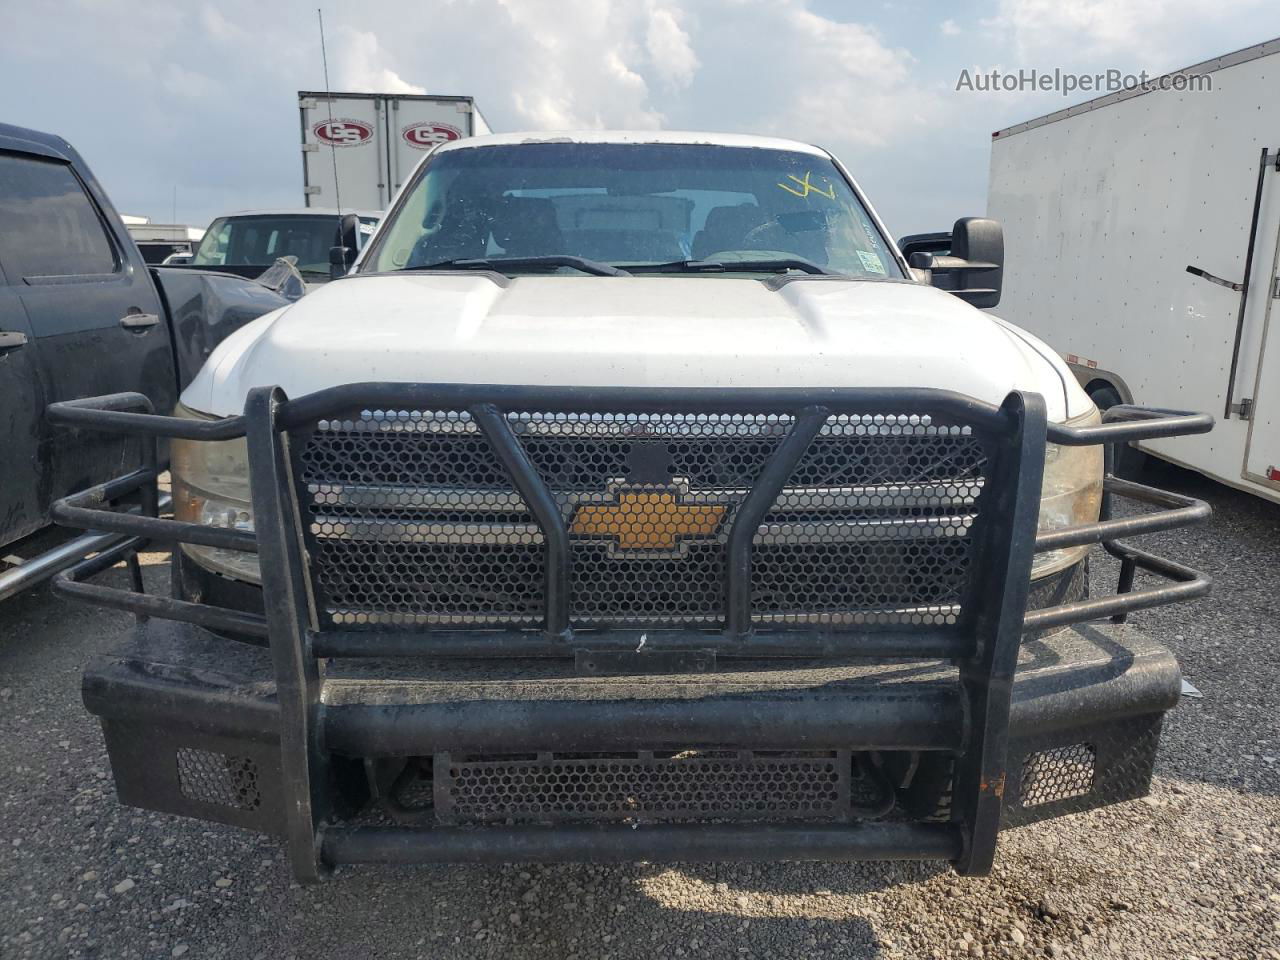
(647,520)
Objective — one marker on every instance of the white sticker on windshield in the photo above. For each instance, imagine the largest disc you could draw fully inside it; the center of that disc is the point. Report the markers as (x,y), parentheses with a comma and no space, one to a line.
(870,262)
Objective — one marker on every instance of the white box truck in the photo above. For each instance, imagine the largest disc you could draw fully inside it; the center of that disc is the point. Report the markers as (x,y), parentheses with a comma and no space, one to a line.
(358,148)
(1142,231)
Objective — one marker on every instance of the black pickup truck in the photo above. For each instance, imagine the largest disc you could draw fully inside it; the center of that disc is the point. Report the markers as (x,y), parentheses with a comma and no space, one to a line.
(81,314)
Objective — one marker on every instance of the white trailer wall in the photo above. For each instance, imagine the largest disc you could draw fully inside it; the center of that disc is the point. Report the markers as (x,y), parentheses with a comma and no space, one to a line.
(375,142)
(1104,207)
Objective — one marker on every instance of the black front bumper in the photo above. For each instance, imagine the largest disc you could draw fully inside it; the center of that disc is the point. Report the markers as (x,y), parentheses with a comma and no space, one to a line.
(192,726)
(913,730)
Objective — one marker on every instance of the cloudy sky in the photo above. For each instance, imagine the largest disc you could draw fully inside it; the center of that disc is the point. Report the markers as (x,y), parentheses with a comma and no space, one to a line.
(158,94)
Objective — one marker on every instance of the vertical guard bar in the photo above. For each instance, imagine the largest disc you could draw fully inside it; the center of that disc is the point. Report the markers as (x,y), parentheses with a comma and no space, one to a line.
(304,768)
(763,493)
(1001,597)
(541,503)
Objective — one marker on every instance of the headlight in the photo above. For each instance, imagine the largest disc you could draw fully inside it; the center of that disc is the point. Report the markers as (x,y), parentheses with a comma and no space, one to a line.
(211,488)
(1071,495)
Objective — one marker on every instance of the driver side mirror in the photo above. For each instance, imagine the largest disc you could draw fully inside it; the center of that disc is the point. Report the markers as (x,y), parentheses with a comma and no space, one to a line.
(346,245)
(972,266)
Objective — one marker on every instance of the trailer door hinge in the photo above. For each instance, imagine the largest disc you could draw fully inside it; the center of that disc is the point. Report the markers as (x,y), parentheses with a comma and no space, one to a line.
(1243,409)
(310,147)
(307,103)
(311,191)
(1275,289)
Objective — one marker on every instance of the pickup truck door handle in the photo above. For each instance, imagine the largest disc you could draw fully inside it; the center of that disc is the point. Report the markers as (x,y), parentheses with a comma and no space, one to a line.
(12,339)
(139,321)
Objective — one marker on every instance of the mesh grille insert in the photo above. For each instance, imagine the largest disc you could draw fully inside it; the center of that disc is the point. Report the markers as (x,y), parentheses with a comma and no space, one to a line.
(691,785)
(1058,774)
(411,519)
(211,777)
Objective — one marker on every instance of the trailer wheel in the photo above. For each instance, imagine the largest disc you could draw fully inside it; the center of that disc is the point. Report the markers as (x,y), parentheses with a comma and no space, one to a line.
(1130,461)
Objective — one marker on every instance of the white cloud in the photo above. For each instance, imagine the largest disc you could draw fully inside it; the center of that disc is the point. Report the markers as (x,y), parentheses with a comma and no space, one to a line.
(770,66)
(1139,29)
(806,76)
(670,48)
(361,64)
(546,63)
(949,28)
(218,26)
(191,84)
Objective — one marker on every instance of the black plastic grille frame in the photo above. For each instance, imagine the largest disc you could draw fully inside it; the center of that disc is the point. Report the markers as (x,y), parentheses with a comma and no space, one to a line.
(211,777)
(691,785)
(411,519)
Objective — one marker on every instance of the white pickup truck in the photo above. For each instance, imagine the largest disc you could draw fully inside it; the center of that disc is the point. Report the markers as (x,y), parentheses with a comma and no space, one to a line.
(633,498)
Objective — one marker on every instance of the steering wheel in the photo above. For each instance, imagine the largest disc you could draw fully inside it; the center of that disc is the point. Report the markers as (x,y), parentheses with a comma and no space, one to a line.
(770,235)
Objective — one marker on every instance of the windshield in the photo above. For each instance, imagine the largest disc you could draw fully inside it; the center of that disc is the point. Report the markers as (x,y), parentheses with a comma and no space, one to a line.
(260,239)
(633,204)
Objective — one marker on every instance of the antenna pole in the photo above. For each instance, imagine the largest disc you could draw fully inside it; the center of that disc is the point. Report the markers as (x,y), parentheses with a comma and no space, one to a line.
(333,151)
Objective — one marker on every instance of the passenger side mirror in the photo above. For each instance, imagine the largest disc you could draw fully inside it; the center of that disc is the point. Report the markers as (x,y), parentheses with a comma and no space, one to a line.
(972,267)
(346,245)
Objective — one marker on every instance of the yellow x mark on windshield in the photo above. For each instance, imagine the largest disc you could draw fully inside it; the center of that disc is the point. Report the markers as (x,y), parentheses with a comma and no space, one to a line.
(803,187)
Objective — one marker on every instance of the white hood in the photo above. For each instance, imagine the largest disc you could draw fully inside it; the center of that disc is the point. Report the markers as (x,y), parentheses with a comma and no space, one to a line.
(700,331)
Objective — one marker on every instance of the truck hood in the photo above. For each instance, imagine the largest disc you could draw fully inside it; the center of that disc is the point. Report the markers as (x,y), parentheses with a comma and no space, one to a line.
(671,331)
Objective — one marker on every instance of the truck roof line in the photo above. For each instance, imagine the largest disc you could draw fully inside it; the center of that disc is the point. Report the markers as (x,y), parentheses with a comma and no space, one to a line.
(1213,65)
(355,95)
(675,137)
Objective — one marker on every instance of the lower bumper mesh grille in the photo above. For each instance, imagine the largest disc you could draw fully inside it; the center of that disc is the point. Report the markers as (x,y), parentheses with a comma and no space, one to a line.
(693,785)
(1058,774)
(211,777)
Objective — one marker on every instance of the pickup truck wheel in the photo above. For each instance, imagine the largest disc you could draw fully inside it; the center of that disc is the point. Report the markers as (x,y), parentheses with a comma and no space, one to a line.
(1129,460)
(924,783)
(928,796)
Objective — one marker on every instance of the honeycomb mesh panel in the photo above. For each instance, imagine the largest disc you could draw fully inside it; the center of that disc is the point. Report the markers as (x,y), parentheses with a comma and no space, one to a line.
(211,777)
(410,519)
(872,527)
(445,584)
(691,785)
(642,591)
(1058,774)
(721,459)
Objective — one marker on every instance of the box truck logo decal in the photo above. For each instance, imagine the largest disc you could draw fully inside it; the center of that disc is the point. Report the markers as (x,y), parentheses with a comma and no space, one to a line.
(343,133)
(424,136)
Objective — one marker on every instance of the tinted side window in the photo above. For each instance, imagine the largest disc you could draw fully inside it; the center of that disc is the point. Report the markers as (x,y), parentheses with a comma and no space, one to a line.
(48,225)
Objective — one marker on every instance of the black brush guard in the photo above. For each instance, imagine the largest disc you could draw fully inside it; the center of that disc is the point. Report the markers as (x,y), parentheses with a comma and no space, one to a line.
(262,755)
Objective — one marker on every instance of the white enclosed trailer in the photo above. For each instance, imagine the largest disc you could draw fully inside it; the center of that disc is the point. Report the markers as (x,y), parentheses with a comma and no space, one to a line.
(1142,232)
(358,148)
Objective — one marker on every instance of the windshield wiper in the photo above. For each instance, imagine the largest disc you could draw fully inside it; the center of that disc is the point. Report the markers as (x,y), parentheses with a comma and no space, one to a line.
(777,265)
(499,264)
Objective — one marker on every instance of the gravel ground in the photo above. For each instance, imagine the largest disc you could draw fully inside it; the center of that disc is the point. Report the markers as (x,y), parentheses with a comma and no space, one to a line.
(1191,872)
